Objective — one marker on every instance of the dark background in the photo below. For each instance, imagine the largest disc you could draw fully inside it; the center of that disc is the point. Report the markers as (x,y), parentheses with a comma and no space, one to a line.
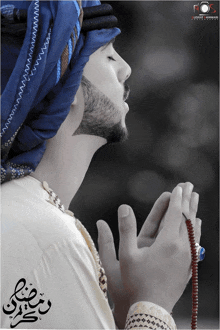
(173,126)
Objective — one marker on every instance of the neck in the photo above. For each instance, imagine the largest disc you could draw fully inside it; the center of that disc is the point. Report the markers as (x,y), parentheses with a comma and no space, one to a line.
(64,164)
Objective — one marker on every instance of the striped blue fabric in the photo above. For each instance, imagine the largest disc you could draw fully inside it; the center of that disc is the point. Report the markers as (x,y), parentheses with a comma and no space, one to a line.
(78,13)
(58,70)
(70,46)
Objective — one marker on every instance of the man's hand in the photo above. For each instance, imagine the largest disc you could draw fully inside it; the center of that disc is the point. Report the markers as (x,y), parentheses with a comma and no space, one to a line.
(155,266)
(107,253)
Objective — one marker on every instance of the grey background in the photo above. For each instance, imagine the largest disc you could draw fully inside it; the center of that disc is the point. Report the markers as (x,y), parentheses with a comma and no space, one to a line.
(173,126)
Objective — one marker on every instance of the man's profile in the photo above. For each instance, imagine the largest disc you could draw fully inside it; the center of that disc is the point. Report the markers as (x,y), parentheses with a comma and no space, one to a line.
(63,98)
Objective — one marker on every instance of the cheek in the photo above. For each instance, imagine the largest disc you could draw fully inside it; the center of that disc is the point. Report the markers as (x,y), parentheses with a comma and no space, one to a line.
(109,87)
(103,77)
(94,70)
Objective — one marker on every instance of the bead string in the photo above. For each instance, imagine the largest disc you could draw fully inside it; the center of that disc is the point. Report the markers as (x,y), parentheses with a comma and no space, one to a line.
(194,273)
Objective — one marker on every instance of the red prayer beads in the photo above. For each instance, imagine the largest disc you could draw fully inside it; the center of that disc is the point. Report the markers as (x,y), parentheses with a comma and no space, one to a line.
(194,273)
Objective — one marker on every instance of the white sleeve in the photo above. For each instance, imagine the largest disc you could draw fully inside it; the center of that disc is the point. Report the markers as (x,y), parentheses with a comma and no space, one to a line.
(146,315)
(64,292)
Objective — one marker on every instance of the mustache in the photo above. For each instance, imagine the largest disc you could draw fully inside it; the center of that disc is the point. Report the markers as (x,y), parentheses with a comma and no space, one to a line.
(126,92)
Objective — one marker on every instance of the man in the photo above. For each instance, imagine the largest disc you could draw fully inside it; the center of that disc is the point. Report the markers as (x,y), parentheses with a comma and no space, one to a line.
(51,273)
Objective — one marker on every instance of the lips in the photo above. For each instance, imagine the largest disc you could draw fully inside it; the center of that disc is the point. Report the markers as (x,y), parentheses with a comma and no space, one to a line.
(126,92)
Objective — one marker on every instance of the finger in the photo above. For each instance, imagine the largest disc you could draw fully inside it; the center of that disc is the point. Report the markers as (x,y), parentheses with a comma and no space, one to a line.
(187,191)
(182,185)
(193,207)
(152,223)
(173,216)
(127,231)
(106,245)
(197,229)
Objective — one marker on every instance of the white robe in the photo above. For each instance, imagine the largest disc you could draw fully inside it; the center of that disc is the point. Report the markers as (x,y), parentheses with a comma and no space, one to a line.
(45,255)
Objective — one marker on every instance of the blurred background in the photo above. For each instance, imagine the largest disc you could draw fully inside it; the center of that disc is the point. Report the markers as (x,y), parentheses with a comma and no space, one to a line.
(173,127)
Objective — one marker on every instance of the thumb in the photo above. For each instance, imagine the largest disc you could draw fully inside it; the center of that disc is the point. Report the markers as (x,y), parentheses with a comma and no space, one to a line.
(127,231)
(106,246)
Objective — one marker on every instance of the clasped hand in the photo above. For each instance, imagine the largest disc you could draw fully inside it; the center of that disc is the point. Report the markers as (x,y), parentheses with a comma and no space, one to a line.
(156,265)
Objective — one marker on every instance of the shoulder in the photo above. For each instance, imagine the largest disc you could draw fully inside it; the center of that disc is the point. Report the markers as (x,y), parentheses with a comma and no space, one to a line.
(34,230)
(27,212)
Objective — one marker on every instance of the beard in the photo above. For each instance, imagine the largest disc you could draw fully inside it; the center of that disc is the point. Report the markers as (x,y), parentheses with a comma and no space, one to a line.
(100,115)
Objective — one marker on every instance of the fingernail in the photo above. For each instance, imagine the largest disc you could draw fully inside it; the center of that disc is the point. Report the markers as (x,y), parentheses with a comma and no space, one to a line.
(123,211)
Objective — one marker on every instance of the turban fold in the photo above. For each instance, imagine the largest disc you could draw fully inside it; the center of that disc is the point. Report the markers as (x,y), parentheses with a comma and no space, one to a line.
(45,46)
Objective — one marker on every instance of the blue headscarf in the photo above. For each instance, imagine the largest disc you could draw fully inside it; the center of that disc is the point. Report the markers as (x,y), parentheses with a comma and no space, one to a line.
(41,75)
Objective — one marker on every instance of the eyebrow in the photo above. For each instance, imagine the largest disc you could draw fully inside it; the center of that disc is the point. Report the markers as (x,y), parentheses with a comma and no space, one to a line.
(108,43)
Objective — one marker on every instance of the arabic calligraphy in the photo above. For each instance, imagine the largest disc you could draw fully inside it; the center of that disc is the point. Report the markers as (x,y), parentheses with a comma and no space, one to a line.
(25,304)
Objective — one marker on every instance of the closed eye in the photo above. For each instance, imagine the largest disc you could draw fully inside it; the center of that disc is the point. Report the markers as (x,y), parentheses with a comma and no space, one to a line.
(111,58)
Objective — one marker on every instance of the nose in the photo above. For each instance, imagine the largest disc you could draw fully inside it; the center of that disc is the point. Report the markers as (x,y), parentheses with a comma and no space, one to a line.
(124,71)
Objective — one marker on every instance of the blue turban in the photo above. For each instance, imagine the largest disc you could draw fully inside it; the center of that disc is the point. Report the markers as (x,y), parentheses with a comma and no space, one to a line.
(41,73)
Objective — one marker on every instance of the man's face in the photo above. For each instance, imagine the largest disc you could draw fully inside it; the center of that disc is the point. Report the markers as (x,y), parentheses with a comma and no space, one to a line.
(105,92)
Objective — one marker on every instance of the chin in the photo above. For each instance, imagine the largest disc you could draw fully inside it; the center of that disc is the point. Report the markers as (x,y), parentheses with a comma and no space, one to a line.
(111,133)
(117,133)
